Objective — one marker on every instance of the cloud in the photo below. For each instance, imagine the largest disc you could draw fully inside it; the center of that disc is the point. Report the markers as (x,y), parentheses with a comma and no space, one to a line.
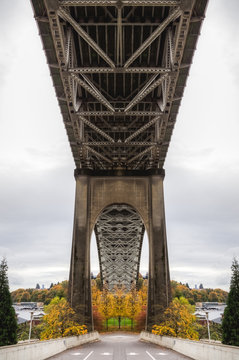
(36,164)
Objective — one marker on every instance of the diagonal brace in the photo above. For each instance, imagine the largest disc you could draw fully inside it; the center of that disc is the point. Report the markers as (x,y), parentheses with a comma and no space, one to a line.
(93,92)
(98,154)
(94,127)
(67,17)
(176,13)
(147,89)
(144,127)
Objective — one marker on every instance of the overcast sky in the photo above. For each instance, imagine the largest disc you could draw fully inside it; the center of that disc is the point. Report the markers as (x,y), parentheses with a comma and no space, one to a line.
(36,166)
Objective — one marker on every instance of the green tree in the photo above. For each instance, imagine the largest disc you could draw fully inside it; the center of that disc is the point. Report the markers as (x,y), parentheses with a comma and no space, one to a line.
(230,323)
(8,323)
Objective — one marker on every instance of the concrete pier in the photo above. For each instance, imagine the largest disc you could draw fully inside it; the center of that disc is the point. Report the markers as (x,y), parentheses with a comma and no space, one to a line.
(145,194)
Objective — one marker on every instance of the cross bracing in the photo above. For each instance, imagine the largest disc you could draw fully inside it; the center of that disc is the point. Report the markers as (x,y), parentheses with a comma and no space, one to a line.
(119,232)
(119,69)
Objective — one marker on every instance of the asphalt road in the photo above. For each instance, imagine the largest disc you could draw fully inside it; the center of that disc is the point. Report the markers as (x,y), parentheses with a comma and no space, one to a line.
(119,347)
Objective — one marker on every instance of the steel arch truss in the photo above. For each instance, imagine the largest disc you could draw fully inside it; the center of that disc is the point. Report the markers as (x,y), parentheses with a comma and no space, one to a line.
(119,233)
(119,70)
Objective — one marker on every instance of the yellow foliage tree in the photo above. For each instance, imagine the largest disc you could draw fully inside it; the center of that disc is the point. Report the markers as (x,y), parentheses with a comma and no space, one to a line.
(60,321)
(179,321)
(106,306)
(119,308)
(143,294)
(96,293)
(132,305)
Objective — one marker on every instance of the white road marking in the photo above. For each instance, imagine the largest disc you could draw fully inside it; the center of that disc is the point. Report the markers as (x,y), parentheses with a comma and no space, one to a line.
(77,354)
(88,355)
(162,354)
(132,353)
(106,353)
(150,355)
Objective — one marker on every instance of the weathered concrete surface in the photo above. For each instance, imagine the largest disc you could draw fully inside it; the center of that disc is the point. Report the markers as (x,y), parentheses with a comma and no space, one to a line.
(197,350)
(41,350)
(145,195)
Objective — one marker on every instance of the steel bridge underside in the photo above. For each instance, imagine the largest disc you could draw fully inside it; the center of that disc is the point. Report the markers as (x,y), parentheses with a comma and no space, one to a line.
(119,68)
(119,234)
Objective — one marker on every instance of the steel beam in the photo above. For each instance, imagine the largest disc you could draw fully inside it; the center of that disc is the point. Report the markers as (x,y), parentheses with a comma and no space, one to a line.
(94,88)
(119,233)
(119,37)
(171,47)
(118,113)
(120,70)
(94,127)
(144,127)
(151,2)
(174,15)
(145,91)
(115,2)
(142,153)
(68,46)
(139,94)
(96,94)
(98,154)
(67,17)
(119,144)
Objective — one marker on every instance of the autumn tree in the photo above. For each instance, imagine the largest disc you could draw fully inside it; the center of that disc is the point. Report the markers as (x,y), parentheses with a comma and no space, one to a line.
(230,323)
(119,304)
(25,296)
(60,321)
(197,295)
(95,293)
(41,295)
(143,294)
(106,305)
(179,320)
(132,305)
(140,318)
(8,323)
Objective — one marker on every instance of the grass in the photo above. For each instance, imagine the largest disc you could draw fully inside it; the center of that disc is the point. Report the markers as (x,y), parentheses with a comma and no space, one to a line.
(125,324)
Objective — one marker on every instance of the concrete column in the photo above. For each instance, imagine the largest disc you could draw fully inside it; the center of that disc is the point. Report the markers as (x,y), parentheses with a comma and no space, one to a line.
(159,288)
(80,280)
(94,192)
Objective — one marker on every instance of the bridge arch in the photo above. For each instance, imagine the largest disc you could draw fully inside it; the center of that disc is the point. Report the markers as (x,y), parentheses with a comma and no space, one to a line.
(142,194)
(119,232)
(119,109)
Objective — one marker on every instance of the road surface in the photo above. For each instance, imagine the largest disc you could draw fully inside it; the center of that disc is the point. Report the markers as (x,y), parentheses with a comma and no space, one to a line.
(119,346)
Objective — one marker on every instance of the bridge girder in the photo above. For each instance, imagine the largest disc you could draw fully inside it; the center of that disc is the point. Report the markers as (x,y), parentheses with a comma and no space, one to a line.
(116,65)
(119,68)
(119,233)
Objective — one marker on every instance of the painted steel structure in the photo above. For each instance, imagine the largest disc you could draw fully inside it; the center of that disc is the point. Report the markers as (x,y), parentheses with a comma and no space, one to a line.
(119,233)
(119,68)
